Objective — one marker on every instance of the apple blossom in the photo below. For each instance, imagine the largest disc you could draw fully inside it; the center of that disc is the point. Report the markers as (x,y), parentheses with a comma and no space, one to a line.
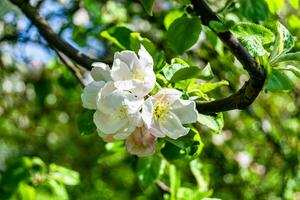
(141,142)
(118,112)
(133,74)
(90,94)
(164,113)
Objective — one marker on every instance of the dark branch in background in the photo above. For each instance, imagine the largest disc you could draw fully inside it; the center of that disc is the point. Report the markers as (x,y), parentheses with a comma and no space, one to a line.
(51,37)
(240,100)
(250,90)
(70,65)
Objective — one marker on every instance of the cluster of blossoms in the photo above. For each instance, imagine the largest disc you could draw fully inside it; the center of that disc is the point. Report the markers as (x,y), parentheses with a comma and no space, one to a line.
(126,111)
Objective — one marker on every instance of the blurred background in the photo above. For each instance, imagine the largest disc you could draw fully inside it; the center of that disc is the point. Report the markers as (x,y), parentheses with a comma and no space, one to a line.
(256,156)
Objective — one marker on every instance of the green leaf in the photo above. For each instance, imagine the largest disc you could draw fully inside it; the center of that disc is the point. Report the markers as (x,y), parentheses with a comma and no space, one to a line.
(170,70)
(148,5)
(178,72)
(85,123)
(64,175)
(289,57)
(188,146)
(202,179)
(253,45)
(184,192)
(249,29)
(171,17)
(278,81)
(218,26)
(254,10)
(294,3)
(284,41)
(148,169)
(291,68)
(174,181)
(119,35)
(26,192)
(179,61)
(58,190)
(180,29)
(215,123)
(207,87)
(187,73)
(274,6)
(137,40)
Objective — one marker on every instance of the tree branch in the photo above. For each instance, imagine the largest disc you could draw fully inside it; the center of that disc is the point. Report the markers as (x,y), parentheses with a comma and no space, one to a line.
(51,37)
(250,90)
(71,67)
(240,100)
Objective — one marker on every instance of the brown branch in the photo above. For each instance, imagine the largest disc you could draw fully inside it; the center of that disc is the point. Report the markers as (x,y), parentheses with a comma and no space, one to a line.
(51,37)
(240,100)
(250,90)
(75,71)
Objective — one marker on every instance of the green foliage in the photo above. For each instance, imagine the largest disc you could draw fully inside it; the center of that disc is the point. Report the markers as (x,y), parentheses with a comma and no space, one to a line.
(179,72)
(40,106)
(264,35)
(30,179)
(284,41)
(118,36)
(215,123)
(289,57)
(181,27)
(187,147)
(254,10)
(171,17)
(148,5)
(148,170)
(278,81)
(86,125)
(253,45)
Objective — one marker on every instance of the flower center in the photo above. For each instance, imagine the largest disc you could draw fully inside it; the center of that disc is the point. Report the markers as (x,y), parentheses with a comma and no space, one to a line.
(137,74)
(160,109)
(122,112)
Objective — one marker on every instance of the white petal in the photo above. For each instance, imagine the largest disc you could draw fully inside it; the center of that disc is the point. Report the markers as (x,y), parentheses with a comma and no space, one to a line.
(155,129)
(124,133)
(185,110)
(110,98)
(128,85)
(120,71)
(141,143)
(147,112)
(110,123)
(170,125)
(91,94)
(133,111)
(128,57)
(101,72)
(106,137)
(145,58)
(167,95)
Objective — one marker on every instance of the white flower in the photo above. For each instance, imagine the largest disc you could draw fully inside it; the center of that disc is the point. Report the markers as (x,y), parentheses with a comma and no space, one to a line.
(164,114)
(90,94)
(141,142)
(101,72)
(133,74)
(118,112)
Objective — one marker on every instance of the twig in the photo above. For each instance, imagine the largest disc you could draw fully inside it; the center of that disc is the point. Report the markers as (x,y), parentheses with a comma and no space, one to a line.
(163,187)
(51,37)
(240,100)
(75,71)
(250,90)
